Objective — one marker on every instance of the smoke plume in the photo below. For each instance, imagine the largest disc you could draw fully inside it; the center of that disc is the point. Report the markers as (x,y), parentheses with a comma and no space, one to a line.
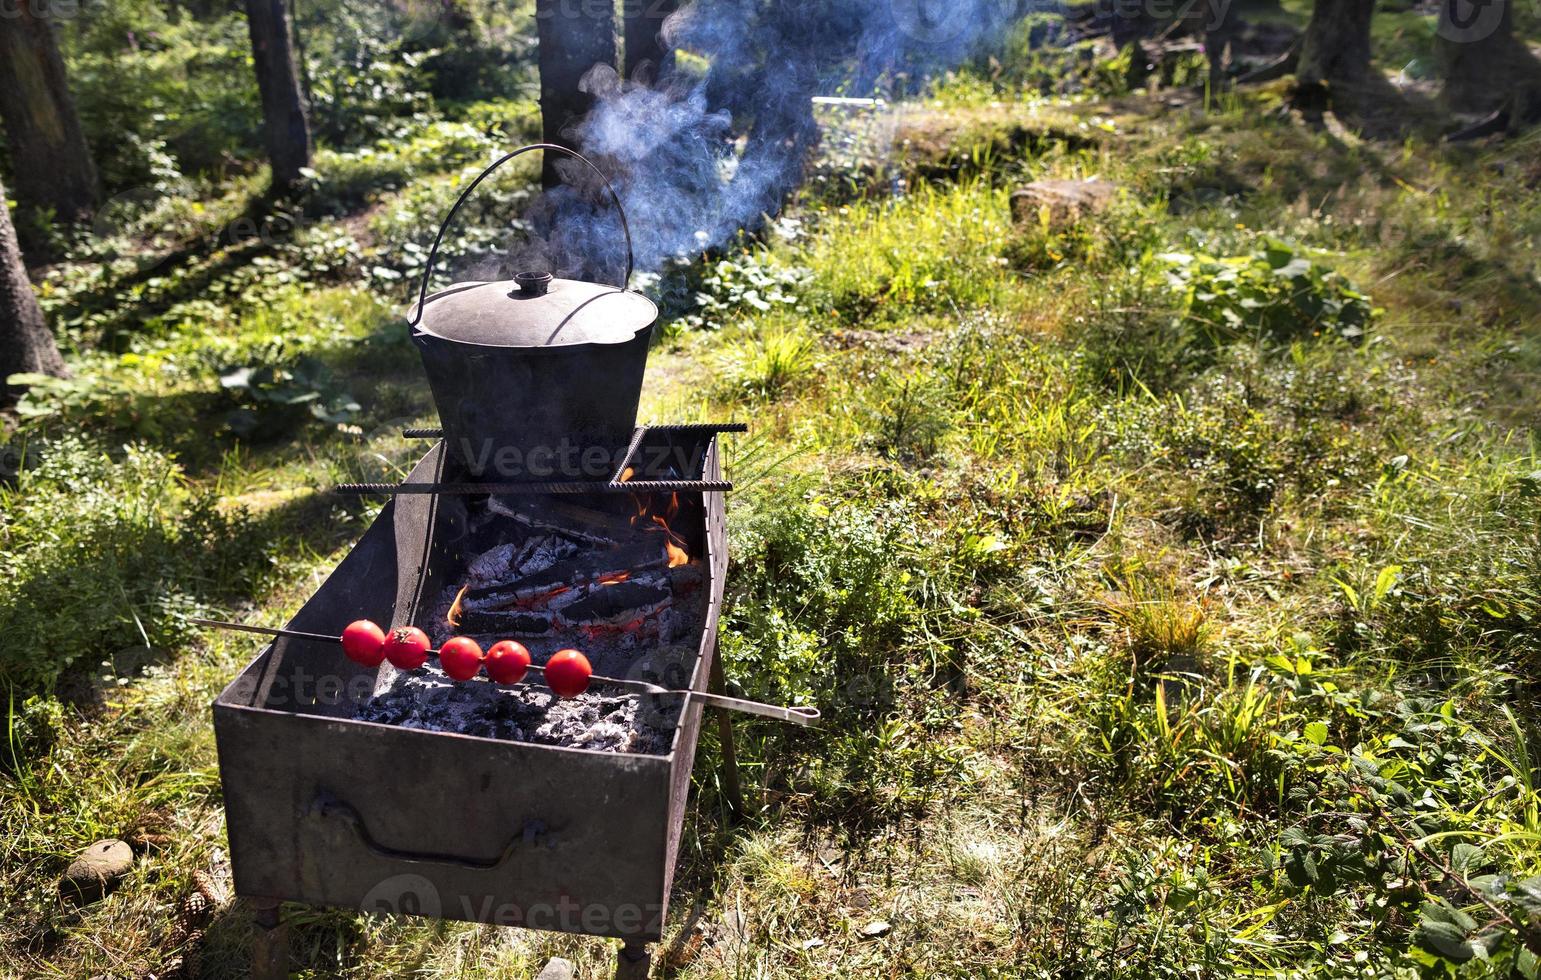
(720,139)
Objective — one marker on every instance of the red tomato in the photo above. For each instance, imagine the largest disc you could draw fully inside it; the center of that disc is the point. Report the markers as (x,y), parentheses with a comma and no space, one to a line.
(407,647)
(364,643)
(568,672)
(461,658)
(507,661)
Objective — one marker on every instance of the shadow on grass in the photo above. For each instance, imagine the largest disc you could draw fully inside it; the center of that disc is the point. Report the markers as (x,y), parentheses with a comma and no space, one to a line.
(1373,109)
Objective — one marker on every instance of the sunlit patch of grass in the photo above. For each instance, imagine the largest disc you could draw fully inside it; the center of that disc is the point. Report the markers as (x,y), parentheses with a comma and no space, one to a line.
(769,363)
(1158,620)
(934,249)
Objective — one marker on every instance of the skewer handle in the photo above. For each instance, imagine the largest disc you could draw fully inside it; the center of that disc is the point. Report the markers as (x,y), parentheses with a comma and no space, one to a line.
(797,714)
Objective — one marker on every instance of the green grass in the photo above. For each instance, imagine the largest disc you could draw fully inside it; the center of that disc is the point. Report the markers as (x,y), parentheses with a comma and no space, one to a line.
(1172,617)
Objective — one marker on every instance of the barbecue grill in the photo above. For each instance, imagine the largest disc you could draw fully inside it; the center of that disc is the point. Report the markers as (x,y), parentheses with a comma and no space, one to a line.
(507,818)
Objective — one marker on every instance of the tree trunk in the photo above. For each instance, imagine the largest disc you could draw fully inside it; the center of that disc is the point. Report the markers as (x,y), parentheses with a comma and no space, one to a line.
(285,127)
(1337,43)
(300,60)
(1484,66)
(26,346)
(52,162)
(644,47)
(574,37)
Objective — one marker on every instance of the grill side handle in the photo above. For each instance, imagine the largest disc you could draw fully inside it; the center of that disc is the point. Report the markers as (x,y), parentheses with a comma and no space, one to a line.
(327,807)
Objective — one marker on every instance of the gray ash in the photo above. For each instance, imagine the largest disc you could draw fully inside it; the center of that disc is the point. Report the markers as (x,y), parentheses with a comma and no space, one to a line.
(611,595)
(604,719)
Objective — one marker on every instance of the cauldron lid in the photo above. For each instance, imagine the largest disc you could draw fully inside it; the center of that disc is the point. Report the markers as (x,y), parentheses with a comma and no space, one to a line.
(535,310)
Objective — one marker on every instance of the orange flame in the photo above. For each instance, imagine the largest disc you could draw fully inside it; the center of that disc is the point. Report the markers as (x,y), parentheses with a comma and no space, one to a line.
(455,610)
(677,556)
(673,544)
(611,578)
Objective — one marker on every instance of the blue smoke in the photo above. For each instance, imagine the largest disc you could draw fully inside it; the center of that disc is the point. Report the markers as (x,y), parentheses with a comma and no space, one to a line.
(700,155)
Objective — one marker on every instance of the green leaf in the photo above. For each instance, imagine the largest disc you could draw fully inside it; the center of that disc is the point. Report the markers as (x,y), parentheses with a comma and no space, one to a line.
(1295,837)
(1385,581)
(238,378)
(1465,859)
(1438,910)
(1527,894)
(1349,592)
(1278,255)
(1527,964)
(1446,939)
(1293,269)
(1182,895)
(27,379)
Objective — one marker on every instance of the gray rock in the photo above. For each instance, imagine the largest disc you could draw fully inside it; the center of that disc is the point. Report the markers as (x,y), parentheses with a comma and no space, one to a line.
(1066,201)
(556,968)
(96,872)
(873,930)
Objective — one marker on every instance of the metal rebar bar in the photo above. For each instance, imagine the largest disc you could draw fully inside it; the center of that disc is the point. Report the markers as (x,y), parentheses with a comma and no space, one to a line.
(619,476)
(677,427)
(572,486)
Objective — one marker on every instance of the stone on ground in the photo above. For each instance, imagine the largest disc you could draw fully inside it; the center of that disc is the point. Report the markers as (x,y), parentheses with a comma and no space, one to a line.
(556,969)
(1067,201)
(96,872)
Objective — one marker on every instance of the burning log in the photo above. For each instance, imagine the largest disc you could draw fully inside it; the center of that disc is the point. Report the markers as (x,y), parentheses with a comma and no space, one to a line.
(628,560)
(608,602)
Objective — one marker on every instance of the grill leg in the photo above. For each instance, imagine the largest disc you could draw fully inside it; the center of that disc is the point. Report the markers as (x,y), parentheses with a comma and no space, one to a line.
(717,684)
(633,962)
(270,941)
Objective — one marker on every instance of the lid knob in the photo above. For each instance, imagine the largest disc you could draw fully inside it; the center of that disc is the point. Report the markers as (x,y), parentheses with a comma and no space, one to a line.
(532,283)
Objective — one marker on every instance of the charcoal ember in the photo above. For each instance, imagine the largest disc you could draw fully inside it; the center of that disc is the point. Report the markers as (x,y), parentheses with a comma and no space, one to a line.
(532,588)
(425,699)
(562,517)
(618,601)
(593,527)
(480,622)
(686,578)
(507,598)
(508,562)
(559,575)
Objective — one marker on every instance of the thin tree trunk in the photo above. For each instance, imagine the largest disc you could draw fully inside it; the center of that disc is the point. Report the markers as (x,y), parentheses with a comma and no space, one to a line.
(285,127)
(1337,43)
(574,37)
(301,61)
(1484,66)
(52,162)
(26,346)
(645,52)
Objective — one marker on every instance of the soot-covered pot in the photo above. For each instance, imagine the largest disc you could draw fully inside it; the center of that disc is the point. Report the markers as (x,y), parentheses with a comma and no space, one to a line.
(535,378)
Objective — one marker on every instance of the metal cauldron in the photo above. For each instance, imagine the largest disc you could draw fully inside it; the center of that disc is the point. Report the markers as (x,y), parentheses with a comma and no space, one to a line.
(535,378)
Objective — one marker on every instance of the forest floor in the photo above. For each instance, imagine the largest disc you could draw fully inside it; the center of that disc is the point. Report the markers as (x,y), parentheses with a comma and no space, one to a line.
(1170,577)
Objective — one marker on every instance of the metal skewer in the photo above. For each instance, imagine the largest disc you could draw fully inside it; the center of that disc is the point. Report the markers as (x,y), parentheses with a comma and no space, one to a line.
(796,715)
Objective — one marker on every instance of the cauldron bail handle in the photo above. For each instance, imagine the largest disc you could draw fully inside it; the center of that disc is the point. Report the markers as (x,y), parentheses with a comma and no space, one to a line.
(433,253)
